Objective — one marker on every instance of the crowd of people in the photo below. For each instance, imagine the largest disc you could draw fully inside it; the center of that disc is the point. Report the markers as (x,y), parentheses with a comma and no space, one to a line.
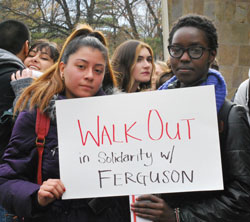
(34,76)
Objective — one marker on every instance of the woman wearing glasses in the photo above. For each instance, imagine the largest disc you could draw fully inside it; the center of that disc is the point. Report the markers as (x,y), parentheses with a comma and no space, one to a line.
(193,47)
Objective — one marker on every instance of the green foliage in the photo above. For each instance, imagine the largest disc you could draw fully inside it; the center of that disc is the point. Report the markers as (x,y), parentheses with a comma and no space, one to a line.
(157,46)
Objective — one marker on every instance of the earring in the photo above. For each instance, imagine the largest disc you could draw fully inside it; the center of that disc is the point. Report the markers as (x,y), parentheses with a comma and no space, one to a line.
(62,76)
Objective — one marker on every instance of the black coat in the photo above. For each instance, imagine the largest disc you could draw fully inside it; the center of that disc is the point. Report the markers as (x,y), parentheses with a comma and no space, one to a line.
(9,64)
(232,203)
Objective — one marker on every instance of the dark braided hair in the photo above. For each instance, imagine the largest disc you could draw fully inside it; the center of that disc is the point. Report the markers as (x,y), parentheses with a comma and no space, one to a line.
(199,22)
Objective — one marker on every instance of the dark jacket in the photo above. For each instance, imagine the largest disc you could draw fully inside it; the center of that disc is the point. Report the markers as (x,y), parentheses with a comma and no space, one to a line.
(9,64)
(18,188)
(233,203)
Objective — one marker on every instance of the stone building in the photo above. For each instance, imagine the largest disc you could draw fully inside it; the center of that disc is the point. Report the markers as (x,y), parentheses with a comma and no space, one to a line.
(232,19)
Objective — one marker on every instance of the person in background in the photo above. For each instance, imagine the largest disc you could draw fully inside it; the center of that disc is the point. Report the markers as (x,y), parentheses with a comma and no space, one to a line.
(79,72)
(133,65)
(14,47)
(242,95)
(215,65)
(160,67)
(163,77)
(42,55)
(193,46)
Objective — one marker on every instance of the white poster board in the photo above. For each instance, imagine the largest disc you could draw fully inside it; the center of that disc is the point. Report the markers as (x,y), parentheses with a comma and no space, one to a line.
(149,142)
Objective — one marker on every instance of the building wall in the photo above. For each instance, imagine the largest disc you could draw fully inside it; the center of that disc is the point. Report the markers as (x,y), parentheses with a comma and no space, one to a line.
(232,19)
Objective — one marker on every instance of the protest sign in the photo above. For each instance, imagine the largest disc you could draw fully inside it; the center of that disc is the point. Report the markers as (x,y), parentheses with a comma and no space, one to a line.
(148,142)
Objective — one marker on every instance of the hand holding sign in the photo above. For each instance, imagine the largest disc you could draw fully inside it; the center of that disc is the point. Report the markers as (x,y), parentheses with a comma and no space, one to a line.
(153,208)
(49,191)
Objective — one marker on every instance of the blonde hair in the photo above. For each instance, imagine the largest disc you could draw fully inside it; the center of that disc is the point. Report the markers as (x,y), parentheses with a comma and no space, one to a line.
(164,65)
(41,91)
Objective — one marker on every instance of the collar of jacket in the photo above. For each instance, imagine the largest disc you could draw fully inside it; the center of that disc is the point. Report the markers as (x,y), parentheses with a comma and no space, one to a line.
(213,78)
(10,58)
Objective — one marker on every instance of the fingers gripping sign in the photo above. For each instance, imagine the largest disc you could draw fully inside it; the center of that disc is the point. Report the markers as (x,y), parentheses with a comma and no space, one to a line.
(149,207)
(49,191)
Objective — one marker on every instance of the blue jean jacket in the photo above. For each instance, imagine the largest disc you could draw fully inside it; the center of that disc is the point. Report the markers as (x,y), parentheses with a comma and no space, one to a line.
(6,217)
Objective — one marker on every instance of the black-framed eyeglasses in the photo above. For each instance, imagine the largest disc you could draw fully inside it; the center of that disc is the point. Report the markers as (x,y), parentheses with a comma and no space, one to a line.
(194,52)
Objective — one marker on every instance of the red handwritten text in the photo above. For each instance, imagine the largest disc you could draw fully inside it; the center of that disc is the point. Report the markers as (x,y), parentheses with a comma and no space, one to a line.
(161,129)
(104,133)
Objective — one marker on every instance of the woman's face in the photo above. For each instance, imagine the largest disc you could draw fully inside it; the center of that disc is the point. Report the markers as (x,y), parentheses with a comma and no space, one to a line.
(84,72)
(38,60)
(186,69)
(142,70)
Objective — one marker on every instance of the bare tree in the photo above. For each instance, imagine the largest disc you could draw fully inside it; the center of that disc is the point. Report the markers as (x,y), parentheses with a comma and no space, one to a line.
(118,19)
